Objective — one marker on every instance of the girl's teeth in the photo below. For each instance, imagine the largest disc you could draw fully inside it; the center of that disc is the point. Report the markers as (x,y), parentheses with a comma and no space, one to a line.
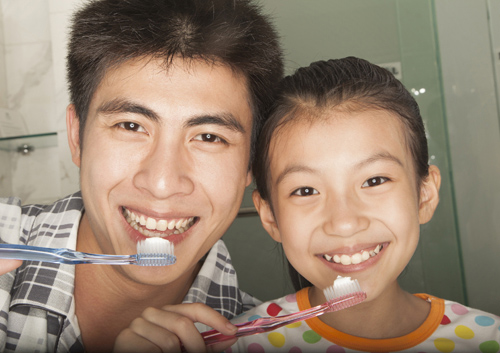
(365,256)
(353,259)
(356,259)
(345,260)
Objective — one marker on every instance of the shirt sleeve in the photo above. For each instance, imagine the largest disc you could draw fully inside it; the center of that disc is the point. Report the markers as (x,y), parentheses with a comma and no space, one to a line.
(10,221)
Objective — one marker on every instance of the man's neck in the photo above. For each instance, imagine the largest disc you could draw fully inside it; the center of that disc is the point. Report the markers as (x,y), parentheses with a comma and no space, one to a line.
(107,301)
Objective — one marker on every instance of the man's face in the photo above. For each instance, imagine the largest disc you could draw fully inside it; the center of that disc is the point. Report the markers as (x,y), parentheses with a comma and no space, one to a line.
(165,153)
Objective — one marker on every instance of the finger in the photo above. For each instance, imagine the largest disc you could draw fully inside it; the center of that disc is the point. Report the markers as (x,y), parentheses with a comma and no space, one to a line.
(174,328)
(144,336)
(129,341)
(199,312)
(221,346)
(7,265)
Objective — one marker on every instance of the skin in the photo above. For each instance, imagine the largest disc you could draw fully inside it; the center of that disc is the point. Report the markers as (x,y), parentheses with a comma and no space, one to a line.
(342,185)
(168,145)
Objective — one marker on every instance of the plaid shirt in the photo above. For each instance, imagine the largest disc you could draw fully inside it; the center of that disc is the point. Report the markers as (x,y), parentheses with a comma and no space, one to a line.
(37,307)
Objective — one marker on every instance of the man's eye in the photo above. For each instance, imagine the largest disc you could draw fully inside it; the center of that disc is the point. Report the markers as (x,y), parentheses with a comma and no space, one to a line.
(375,181)
(305,191)
(209,138)
(130,126)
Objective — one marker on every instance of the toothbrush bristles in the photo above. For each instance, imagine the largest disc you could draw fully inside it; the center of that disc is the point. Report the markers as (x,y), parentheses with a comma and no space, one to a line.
(155,252)
(344,293)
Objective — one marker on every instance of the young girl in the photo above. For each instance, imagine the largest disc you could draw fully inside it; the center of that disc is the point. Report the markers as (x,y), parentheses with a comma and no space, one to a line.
(343,182)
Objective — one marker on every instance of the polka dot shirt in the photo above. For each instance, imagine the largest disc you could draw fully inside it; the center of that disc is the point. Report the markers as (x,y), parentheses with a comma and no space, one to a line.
(449,327)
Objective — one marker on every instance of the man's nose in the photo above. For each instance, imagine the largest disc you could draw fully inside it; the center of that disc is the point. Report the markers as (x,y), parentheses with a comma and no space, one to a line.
(165,171)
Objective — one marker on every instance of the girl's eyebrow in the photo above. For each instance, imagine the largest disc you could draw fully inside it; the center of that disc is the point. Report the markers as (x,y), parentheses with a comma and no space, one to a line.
(382,156)
(293,169)
(119,105)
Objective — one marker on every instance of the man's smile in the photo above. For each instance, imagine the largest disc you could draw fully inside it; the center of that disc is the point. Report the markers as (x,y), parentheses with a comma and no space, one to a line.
(152,227)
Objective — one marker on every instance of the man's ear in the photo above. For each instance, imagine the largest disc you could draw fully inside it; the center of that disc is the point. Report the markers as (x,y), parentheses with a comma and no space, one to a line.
(429,195)
(73,128)
(266,216)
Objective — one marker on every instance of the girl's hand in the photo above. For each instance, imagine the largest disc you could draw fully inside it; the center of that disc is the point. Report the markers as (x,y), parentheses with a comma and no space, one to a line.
(163,330)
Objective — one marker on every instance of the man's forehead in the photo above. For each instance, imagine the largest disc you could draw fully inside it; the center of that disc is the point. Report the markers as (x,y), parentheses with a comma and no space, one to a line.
(208,86)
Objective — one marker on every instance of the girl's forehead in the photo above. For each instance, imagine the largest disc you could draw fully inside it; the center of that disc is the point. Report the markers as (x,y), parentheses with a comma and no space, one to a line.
(359,125)
(302,122)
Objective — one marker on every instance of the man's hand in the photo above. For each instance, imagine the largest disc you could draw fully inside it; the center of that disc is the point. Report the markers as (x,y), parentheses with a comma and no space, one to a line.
(163,330)
(7,265)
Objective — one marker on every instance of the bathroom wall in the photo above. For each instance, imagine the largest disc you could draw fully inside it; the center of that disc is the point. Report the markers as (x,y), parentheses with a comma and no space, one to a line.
(33,89)
(5,170)
(3,81)
(470,63)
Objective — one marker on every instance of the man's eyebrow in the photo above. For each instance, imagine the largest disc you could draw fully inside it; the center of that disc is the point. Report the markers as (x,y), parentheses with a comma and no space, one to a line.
(227,120)
(124,106)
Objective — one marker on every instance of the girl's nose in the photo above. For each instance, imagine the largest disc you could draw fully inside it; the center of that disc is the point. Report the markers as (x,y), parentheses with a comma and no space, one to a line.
(165,171)
(345,217)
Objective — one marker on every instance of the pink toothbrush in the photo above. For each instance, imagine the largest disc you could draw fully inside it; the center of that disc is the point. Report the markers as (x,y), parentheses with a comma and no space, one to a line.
(343,294)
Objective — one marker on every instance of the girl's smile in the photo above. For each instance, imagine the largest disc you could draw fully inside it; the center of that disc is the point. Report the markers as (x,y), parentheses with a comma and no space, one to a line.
(346,258)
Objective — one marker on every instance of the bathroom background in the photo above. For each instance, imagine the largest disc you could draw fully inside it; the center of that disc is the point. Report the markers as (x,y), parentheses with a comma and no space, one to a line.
(447,52)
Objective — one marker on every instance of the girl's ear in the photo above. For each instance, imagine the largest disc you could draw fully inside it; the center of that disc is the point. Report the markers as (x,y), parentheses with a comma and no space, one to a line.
(73,127)
(266,216)
(429,195)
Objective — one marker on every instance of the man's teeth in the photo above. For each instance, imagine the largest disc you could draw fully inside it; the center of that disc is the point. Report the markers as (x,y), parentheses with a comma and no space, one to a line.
(148,226)
(355,258)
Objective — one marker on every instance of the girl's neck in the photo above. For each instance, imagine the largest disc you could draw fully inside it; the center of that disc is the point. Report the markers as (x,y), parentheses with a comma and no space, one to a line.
(395,313)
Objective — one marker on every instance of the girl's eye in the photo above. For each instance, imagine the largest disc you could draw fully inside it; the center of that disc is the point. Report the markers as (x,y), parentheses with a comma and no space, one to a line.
(375,181)
(130,126)
(305,191)
(209,138)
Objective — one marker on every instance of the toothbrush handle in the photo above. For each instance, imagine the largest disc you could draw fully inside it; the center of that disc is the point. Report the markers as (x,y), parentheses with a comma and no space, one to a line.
(63,256)
(266,324)
(263,324)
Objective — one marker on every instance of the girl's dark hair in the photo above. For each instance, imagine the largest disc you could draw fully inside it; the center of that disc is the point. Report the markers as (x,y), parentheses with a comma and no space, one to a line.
(350,84)
(107,33)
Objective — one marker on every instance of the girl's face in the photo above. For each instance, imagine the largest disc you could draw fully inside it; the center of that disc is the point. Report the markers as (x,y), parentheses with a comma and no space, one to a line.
(345,200)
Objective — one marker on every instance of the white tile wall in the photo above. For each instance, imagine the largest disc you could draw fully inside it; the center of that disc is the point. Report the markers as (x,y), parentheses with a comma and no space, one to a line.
(33,37)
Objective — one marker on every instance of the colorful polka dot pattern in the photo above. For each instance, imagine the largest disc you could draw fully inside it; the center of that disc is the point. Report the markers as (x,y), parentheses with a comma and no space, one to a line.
(460,330)
(466,332)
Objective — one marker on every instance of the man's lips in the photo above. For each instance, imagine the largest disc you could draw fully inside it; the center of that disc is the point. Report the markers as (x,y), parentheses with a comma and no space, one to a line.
(154,227)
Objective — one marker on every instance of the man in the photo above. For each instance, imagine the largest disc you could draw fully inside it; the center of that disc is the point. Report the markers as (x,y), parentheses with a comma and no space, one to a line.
(166,100)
